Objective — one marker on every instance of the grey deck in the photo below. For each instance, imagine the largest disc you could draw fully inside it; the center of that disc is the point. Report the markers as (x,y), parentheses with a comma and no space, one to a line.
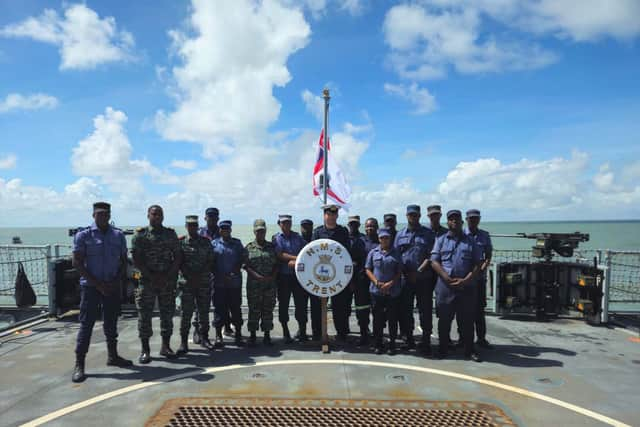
(596,368)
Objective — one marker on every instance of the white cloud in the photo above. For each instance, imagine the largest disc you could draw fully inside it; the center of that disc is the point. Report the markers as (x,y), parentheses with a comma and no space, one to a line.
(83,38)
(37,101)
(603,180)
(232,54)
(354,7)
(8,162)
(421,99)
(184,164)
(314,104)
(320,8)
(106,153)
(425,43)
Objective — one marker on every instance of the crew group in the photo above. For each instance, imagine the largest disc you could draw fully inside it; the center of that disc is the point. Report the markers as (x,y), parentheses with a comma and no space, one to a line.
(393,270)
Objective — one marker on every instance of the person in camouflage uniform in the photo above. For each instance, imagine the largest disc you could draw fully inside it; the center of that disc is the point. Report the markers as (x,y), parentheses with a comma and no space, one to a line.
(261,264)
(156,253)
(197,268)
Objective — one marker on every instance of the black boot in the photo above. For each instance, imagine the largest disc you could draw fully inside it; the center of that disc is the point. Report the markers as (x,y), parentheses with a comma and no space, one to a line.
(286,334)
(196,336)
(302,332)
(204,341)
(145,354)
(78,371)
(392,347)
(114,358)
(410,342)
(165,349)
(425,345)
(219,340)
(252,338)
(238,336)
(379,346)
(228,330)
(184,345)
(364,337)
(267,338)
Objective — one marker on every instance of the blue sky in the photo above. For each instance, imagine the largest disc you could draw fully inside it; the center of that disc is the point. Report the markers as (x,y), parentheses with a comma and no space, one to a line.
(525,109)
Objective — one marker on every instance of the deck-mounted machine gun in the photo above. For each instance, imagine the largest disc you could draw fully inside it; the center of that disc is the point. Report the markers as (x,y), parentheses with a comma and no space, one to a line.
(550,287)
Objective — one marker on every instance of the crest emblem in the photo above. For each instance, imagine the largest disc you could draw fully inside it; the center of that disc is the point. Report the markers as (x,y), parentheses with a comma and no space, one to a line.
(324,271)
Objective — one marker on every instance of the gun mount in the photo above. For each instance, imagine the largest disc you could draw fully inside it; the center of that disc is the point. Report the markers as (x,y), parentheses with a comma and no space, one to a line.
(562,244)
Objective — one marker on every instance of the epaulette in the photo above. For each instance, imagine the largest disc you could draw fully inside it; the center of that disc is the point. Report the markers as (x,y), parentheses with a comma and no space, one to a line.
(140,229)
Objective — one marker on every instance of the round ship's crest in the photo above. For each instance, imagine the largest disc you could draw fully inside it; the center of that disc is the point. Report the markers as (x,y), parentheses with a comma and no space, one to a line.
(324,267)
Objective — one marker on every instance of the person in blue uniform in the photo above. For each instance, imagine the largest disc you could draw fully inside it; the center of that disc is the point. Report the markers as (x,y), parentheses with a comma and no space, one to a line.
(456,259)
(414,244)
(100,256)
(370,234)
(306,231)
(383,268)
(359,286)
(434,212)
(483,240)
(211,231)
(332,230)
(288,244)
(229,257)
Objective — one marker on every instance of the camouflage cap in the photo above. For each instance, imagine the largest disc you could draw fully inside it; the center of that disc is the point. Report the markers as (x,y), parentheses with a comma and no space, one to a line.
(259,224)
(101,207)
(473,212)
(354,218)
(191,219)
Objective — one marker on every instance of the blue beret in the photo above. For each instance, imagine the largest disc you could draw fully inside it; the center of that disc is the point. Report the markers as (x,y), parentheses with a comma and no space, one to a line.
(413,209)
(225,224)
(473,212)
(306,222)
(212,212)
(383,232)
(454,212)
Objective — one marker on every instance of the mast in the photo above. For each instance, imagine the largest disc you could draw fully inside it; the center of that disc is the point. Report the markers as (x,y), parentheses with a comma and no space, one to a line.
(325,174)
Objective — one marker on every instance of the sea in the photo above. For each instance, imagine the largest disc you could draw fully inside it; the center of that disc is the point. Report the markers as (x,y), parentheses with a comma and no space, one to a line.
(618,235)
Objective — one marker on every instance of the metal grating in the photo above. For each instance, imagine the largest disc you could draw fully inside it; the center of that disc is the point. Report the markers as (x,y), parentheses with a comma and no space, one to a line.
(334,413)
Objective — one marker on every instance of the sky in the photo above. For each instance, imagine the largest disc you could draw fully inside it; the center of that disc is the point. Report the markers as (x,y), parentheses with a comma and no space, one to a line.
(524,109)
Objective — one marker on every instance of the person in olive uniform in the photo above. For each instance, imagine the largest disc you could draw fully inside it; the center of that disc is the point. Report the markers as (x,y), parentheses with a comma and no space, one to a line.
(332,230)
(261,265)
(414,244)
(359,285)
(229,256)
(196,267)
(456,259)
(211,231)
(156,253)
(100,256)
(383,269)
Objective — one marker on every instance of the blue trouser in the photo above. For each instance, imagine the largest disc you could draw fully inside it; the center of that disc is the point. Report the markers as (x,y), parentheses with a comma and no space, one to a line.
(90,301)
(422,293)
(463,306)
(226,306)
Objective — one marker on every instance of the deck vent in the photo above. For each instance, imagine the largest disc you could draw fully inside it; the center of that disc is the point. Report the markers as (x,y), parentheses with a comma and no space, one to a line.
(330,412)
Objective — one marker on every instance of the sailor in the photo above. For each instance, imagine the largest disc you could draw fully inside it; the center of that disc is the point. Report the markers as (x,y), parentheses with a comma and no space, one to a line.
(196,267)
(383,268)
(359,285)
(483,240)
(210,231)
(434,212)
(288,244)
(261,265)
(390,222)
(456,259)
(414,244)
(332,230)
(156,253)
(370,234)
(100,256)
(227,283)
(306,231)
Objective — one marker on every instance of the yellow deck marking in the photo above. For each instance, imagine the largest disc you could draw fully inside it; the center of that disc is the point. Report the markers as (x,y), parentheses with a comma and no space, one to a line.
(517,390)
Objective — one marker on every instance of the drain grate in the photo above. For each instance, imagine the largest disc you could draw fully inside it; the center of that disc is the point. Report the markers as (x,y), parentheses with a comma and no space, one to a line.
(331,413)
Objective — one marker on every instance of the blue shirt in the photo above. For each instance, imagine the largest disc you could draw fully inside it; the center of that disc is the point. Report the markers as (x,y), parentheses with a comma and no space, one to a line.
(370,244)
(384,265)
(291,245)
(229,257)
(483,240)
(414,246)
(457,258)
(209,234)
(102,252)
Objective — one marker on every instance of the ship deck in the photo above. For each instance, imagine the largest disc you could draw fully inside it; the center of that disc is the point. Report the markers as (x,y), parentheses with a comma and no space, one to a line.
(563,372)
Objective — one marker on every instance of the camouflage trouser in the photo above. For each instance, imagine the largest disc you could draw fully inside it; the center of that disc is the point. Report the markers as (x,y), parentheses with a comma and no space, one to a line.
(145,300)
(262,299)
(195,297)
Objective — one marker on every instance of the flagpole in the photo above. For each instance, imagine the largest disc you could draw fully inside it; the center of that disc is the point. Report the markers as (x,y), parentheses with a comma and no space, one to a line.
(325,182)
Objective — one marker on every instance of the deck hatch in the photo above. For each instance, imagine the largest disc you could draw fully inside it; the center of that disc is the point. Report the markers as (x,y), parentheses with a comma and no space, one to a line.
(188,412)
